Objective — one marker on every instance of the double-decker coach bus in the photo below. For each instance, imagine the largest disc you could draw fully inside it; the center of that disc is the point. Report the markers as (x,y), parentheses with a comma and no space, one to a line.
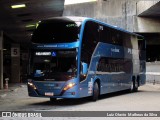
(75,57)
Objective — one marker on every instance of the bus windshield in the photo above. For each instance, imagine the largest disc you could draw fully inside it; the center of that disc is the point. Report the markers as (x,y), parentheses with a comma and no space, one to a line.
(56,31)
(54,65)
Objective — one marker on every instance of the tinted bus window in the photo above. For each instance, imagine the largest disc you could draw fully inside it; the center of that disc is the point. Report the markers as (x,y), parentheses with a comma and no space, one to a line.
(54,64)
(56,32)
(127,40)
(105,34)
(114,65)
(142,48)
(110,35)
(116,37)
(90,40)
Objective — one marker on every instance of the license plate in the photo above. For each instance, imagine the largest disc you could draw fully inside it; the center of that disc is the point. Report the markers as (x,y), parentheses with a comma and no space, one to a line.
(49,94)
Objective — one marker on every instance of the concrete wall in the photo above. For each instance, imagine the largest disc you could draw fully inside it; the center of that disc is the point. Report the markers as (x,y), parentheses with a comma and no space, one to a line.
(146,25)
(85,10)
(143,6)
(121,13)
(115,12)
(15,63)
(153,72)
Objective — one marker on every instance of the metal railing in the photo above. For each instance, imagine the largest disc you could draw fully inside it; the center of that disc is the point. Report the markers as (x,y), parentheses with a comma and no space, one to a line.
(153,77)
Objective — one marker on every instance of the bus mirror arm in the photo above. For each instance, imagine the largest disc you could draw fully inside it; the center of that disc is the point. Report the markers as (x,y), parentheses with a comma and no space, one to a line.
(84,68)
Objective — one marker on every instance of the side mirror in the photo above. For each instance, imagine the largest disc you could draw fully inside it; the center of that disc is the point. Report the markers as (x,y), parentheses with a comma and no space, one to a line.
(84,68)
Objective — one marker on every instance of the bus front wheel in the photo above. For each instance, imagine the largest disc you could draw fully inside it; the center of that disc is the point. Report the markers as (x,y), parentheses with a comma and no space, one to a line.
(95,91)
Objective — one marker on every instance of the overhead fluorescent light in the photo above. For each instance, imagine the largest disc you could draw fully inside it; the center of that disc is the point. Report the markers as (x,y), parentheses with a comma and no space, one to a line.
(37,24)
(31,25)
(69,2)
(18,6)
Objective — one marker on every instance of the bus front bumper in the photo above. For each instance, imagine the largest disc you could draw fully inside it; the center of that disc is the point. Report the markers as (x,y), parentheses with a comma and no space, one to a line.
(71,93)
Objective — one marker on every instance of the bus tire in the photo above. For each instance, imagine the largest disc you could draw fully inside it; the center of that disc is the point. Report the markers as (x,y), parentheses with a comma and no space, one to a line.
(53,99)
(135,86)
(95,92)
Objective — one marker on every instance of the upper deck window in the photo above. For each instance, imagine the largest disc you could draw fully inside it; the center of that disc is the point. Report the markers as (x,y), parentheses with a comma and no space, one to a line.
(56,31)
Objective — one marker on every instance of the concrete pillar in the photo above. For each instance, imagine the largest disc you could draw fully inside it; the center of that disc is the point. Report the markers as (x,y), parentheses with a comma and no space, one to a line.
(1,60)
(15,63)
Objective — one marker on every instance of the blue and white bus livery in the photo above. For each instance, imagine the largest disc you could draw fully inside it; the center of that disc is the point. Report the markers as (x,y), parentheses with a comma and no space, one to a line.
(74,57)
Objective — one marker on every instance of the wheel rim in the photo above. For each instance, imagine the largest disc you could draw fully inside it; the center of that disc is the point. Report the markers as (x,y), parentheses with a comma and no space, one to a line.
(136,84)
(132,86)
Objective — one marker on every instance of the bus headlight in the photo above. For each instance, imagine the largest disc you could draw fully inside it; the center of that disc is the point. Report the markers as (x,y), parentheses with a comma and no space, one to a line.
(68,86)
(32,85)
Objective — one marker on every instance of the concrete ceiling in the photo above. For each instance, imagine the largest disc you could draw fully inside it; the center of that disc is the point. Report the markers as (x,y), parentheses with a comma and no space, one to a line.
(13,21)
(153,11)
